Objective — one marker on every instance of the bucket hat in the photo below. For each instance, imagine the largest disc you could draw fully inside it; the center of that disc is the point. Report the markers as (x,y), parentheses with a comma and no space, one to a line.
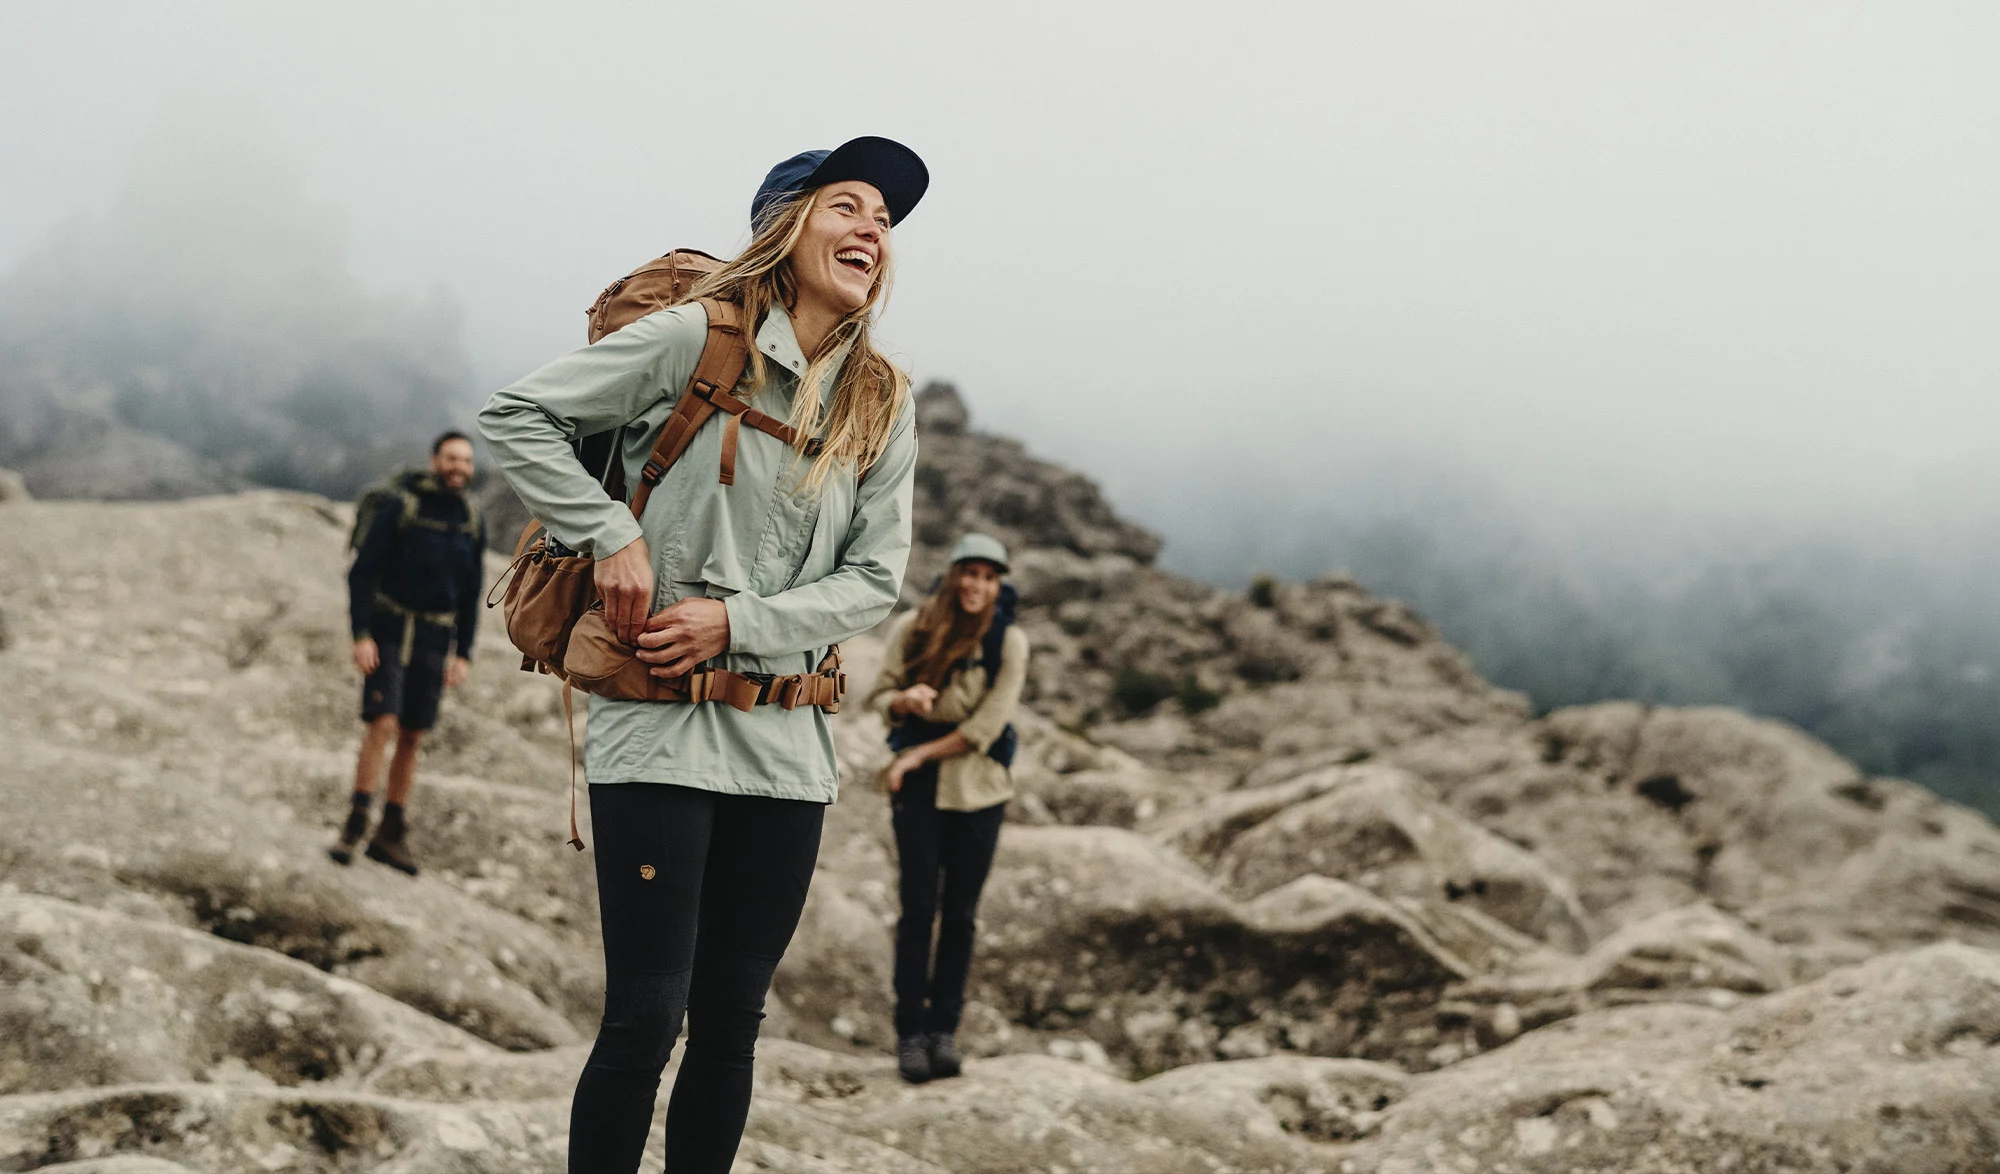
(983,547)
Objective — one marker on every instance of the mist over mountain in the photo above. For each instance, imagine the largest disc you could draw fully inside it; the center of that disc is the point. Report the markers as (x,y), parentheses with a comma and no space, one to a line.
(207,334)
(1879,633)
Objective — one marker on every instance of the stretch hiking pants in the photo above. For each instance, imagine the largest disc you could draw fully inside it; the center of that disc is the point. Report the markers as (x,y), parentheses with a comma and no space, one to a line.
(700,893)
(943,857)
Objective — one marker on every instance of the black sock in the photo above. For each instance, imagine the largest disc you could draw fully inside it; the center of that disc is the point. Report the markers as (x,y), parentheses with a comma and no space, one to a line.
(362,800)
(392,822)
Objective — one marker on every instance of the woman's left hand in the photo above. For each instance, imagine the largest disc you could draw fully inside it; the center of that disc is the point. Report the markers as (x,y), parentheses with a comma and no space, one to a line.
(892,775)
(679,639)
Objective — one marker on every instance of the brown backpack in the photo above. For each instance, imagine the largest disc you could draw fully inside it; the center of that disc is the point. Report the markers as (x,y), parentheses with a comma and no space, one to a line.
(656,285)
(551,609)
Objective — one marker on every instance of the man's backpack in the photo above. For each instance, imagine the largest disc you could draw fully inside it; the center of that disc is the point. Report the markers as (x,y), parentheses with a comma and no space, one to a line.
(400,492)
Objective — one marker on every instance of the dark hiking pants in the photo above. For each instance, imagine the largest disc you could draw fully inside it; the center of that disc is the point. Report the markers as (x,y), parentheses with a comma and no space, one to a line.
(944,857)
(699,894)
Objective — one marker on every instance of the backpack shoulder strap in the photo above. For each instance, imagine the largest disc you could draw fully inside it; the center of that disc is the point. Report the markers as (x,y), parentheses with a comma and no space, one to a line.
(406,505)
(993,645)
(991,648)
(715,374)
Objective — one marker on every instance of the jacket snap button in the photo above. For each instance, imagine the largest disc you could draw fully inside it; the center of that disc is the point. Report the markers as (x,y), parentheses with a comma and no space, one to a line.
(646,872)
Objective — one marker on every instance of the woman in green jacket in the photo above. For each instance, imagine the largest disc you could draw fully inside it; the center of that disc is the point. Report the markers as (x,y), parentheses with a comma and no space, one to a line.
(707,819)
(950,681)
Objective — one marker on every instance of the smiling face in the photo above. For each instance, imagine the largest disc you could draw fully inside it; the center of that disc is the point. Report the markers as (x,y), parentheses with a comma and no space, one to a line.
(978,585)
(843,249)
(452,463)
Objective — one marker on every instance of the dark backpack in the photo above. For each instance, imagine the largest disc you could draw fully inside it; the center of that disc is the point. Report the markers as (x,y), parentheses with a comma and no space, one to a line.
(1004,746)
(915,731)
(996,633)
(399,492)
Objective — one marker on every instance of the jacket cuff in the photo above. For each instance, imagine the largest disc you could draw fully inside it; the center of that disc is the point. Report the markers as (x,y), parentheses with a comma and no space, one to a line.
(978,736)
(618,532)
(749,623)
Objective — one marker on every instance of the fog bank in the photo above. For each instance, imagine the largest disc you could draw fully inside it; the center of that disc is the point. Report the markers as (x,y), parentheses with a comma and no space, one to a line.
(207,332)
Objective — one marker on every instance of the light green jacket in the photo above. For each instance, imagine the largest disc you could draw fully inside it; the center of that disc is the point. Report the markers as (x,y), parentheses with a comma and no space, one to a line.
(796,573)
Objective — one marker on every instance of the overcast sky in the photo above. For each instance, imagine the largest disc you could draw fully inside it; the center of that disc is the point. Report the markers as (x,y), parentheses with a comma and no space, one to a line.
(1673,259)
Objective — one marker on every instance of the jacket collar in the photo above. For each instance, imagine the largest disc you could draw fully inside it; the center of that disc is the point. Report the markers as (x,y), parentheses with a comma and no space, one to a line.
(780,345)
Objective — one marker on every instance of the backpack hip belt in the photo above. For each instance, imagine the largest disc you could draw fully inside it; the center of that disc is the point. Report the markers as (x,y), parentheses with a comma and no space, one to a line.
(595,662)
(745,692)
(411,618)
(630,679)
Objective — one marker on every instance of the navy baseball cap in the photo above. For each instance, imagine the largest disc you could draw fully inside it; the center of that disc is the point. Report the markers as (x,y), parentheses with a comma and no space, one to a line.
(894,169)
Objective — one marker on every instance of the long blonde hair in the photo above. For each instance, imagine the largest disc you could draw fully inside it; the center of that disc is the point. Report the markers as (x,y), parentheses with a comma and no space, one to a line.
(944,635)
(871,391)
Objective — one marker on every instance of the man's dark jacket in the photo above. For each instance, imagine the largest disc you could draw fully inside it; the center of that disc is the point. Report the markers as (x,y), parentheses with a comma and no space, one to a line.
(425,568)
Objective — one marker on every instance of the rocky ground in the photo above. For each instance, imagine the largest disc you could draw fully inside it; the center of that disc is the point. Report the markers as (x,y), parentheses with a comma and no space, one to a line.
(1289,889)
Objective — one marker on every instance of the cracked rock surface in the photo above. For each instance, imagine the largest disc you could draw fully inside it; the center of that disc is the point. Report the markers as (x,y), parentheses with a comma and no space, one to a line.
(1287,888)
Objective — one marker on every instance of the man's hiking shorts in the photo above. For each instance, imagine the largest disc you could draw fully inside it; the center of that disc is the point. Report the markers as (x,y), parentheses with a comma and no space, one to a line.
(409,691)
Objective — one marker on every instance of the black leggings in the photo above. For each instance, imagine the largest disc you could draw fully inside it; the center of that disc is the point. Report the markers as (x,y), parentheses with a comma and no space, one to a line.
(700,893)
(955,847)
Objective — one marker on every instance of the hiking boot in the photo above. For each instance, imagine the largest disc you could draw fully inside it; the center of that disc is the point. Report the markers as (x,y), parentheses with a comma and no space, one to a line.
(913,1058)
(945,1062)
(394,853)
(350,835)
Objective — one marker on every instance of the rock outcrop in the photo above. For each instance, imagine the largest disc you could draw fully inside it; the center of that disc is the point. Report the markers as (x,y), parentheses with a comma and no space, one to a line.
(1890,1065)
(1288,888)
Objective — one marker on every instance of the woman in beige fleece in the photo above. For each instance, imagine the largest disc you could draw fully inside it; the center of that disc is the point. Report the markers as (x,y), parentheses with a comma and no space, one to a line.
(950,680)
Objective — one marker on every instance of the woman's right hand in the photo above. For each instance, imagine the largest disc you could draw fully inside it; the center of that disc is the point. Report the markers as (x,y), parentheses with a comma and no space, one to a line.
(625,584)
(915,700)
(901,765)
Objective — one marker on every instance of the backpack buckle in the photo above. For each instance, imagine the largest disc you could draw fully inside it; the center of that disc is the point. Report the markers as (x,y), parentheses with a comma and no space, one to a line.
(703,389)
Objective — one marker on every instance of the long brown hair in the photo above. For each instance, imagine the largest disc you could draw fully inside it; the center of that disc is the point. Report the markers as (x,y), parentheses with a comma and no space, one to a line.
(944,635)
(871,391)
